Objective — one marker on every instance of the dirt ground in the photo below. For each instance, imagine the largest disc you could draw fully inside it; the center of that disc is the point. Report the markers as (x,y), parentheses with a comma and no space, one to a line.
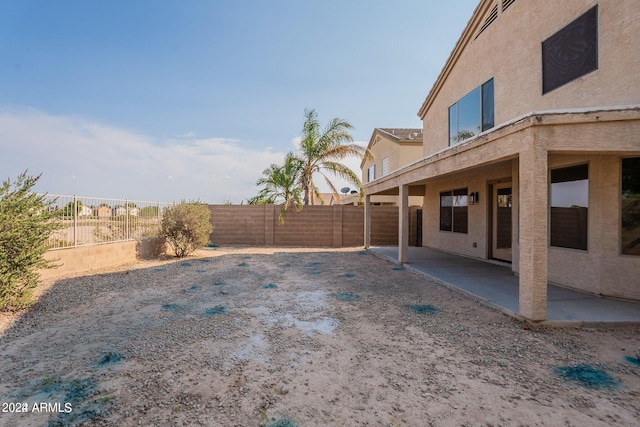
(300,337)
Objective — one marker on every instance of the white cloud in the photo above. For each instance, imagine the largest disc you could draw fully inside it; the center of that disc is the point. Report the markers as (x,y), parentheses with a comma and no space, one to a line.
(80,156)
(295,142)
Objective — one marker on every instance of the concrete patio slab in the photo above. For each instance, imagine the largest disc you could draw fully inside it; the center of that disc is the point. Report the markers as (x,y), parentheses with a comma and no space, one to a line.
(497,286)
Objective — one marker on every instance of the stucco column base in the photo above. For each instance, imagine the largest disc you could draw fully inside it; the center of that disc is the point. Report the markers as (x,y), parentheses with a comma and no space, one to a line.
(533,202)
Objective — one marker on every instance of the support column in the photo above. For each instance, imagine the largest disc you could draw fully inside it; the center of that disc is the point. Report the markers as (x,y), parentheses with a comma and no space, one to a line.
(403,224)
(533,208)
(367,221)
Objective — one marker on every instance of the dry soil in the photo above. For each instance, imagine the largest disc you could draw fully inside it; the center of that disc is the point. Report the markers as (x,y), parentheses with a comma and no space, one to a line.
(299,337)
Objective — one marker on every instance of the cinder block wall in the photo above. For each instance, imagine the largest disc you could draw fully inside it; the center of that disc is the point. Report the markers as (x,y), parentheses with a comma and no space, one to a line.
(76,261)
(384,226)
(331,226)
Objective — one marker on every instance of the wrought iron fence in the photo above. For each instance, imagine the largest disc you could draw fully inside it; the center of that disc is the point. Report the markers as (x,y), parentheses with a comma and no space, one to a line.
(91,221)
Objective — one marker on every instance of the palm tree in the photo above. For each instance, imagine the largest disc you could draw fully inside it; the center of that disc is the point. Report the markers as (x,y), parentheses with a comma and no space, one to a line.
(281,185)
(322,149)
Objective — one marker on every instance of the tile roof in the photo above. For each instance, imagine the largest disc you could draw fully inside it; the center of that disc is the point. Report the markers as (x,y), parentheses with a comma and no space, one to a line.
(403,134)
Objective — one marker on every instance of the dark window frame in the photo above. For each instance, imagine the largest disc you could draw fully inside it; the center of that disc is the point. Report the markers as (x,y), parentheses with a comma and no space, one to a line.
(569,225)
(486,116)
(630,206)
(454,218)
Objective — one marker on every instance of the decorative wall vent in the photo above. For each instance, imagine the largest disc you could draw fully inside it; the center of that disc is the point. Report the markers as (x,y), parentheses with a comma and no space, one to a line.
(492,17)
(506,4)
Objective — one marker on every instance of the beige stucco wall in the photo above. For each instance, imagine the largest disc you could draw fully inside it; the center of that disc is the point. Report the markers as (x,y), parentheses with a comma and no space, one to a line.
(512,57)
(399,155)
(601,269)
(478,214)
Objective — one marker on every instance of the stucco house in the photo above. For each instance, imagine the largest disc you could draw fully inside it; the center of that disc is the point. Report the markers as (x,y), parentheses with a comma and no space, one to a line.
(101,211)
(391,148)
(84,211)
(531,148)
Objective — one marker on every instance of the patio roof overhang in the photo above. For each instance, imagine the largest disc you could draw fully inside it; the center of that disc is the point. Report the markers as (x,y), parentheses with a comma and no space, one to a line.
(505,142)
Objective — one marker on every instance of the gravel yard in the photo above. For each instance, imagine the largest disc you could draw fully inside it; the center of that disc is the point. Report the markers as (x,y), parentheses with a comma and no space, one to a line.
(299,337)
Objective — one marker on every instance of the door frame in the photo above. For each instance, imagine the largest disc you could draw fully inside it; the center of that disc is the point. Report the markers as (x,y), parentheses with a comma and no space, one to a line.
(499,254)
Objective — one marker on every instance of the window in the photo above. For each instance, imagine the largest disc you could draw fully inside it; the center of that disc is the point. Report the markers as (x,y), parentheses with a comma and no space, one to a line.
(472,114)
(453,211)
(570,53)
(371,173)
(569,207)
(385,166)
(630,240)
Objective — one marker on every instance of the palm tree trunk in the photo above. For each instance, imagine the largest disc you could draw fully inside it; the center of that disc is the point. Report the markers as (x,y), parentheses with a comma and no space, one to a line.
(305,189)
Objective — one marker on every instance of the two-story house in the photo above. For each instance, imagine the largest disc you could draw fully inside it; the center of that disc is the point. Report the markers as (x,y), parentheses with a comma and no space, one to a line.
(531,148)
(390,148)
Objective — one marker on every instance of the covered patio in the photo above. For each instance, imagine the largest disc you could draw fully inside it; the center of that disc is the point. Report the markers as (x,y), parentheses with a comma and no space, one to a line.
(497,286)
(518,157)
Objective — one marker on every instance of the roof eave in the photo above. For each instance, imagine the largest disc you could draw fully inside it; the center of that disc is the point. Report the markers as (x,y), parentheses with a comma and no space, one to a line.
(464,39)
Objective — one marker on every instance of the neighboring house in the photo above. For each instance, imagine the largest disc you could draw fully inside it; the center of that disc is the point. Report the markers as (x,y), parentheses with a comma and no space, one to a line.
(101,211)
(391,148)
(85,211)
(327,199)
(531,148)
(122,211)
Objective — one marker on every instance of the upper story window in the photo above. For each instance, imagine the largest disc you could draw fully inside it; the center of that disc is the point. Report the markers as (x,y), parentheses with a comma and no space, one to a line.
(385,166)
(570,53)
(371,173)
(473,114)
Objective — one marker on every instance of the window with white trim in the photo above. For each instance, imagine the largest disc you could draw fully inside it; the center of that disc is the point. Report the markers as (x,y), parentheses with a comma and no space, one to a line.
(385,166)
(371,173)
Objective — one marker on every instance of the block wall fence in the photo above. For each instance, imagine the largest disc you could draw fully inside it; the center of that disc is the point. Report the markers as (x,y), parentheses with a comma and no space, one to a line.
(251,225)
(330,226)
(84,259)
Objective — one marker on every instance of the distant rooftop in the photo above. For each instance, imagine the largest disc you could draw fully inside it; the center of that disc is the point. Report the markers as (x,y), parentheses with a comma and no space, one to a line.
(403,133)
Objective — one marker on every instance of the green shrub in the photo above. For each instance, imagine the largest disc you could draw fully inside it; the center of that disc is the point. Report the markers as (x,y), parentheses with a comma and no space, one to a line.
(186,227)
(26,222)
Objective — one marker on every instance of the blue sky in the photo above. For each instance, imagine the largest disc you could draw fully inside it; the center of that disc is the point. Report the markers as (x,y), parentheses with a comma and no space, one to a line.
(170,100)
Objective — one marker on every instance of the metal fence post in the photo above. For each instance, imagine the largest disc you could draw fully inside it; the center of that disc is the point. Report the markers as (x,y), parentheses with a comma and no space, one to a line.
(126,218)
(75,220)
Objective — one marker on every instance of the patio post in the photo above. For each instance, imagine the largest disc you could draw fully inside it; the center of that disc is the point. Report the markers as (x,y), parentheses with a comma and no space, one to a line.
(533,202)
(367,221)
(403,224)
